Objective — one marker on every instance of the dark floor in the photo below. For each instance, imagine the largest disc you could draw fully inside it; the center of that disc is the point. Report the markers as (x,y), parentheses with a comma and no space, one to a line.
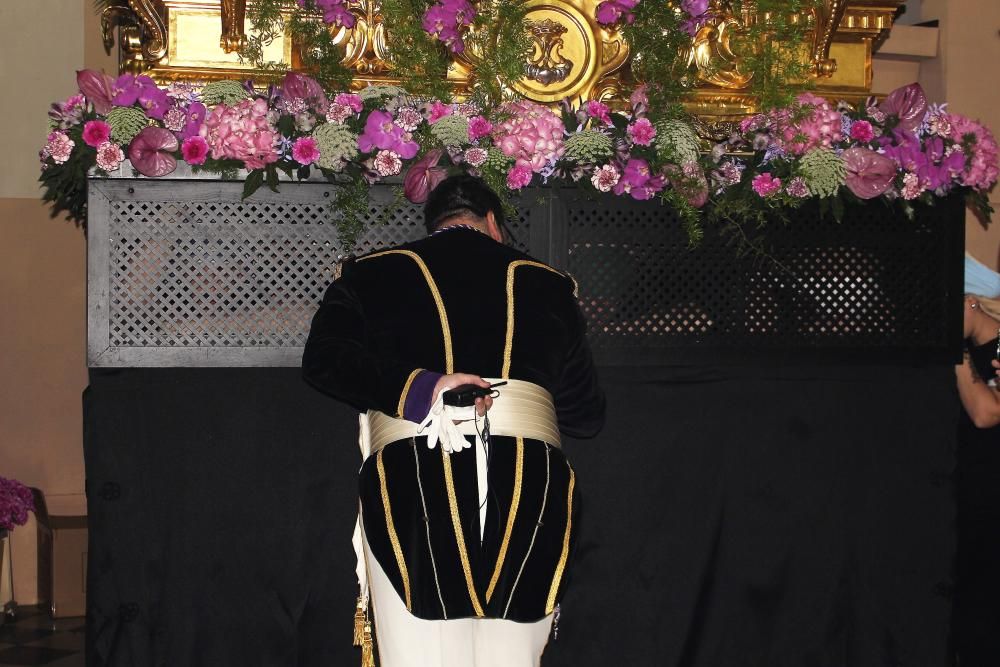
(32,637)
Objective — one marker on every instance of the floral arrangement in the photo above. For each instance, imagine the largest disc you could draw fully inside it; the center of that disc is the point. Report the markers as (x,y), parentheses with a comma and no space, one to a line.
(15,503)
(902,149)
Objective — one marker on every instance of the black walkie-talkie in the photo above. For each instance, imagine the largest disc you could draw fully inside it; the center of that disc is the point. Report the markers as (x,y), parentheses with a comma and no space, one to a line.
(465,395)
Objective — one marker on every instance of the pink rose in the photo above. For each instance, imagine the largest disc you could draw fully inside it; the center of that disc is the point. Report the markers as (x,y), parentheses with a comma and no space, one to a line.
(519,176)
(96,132)
(195,150)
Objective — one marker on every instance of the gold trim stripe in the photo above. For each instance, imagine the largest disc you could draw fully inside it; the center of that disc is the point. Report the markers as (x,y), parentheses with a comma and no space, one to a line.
(550,604)
(406,390)
(511,516)
(438,301)
(509,340)
(391,528)
(456,522)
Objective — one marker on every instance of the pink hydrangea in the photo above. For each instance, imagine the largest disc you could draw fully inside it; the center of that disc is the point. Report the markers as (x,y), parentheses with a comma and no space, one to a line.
(476,157)
(980,149)
(387,163)
(195,149)
(479,127)
(809,123)
(305,150)
(59,146)
(242,132)
(530,132)
(862,131)
(109,156)
(96,132)
(605,178)
(766,185)
(642,132)
(519,175)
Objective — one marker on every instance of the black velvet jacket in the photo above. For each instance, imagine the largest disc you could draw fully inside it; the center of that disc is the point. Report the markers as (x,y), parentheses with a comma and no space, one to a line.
(457,301)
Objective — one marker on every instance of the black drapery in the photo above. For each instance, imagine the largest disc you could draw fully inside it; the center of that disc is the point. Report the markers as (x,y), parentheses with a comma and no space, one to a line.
(763,515)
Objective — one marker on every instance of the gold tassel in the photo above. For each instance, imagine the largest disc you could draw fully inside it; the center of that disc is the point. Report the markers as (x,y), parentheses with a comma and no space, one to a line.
(359,622)
(367,652)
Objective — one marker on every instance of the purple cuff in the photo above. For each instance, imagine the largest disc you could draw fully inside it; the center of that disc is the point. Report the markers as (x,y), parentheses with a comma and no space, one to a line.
(418,399)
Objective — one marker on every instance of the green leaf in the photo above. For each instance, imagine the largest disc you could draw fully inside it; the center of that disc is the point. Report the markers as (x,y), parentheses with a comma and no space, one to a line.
(255,179)
(272,177)
(303,173)
(837,204)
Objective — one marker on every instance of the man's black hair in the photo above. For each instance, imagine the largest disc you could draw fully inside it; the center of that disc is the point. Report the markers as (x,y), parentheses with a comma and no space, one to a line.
(461,194)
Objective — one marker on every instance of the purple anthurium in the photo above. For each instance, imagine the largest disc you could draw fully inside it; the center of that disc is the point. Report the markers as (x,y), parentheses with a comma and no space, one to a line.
(908,104)
(151,152)
(423,176)
(869,174)
(97,87)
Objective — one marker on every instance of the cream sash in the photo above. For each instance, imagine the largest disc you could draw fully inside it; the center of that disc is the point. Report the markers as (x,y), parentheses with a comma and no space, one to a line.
(523,409)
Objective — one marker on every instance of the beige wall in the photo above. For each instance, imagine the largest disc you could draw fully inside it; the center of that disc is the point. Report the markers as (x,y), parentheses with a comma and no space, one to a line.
(966,75)
(42,267)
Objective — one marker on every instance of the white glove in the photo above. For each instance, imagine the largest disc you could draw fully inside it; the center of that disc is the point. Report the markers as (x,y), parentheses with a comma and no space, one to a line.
(441,427)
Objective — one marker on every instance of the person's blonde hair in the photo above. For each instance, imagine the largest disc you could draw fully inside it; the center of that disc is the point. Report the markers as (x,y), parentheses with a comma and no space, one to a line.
(990,306)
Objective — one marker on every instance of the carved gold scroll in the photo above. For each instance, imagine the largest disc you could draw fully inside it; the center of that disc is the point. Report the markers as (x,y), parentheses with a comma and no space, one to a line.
(573,55)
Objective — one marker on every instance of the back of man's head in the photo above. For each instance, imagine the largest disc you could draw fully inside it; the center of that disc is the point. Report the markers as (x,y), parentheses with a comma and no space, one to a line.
(461,195)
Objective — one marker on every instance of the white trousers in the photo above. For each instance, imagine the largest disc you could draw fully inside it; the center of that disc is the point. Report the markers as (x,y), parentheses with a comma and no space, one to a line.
(403,640)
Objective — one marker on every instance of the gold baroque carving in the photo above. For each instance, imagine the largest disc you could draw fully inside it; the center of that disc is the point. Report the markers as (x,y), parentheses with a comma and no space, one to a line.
(142,32)
(549,66)
(233,13)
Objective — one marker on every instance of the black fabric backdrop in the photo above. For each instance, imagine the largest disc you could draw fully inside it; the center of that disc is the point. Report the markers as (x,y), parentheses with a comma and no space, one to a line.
(762,516)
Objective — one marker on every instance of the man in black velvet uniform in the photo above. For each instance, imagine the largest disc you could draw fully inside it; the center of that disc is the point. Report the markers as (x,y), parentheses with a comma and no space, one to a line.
(466,551)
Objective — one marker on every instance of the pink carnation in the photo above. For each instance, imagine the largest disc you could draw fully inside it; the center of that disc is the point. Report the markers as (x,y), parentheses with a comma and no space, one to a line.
(175,119)
(479,127)
(388,163)
(766,185)
(59,146)
(519,175)
(911,186)
(797,188)
(242,132)
(600,111)
(437,111)
(862,131)
(305,150)
(109,156)
(642,132)
(530,132)
(408,118)
(476,156)
(96,132)
(338,113)
(195,149)
(605,178)
(351,100)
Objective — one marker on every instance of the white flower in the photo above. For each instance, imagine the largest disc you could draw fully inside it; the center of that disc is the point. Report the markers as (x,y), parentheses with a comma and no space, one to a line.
(387,163)
(476,156)
(408,118)
(605,178)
